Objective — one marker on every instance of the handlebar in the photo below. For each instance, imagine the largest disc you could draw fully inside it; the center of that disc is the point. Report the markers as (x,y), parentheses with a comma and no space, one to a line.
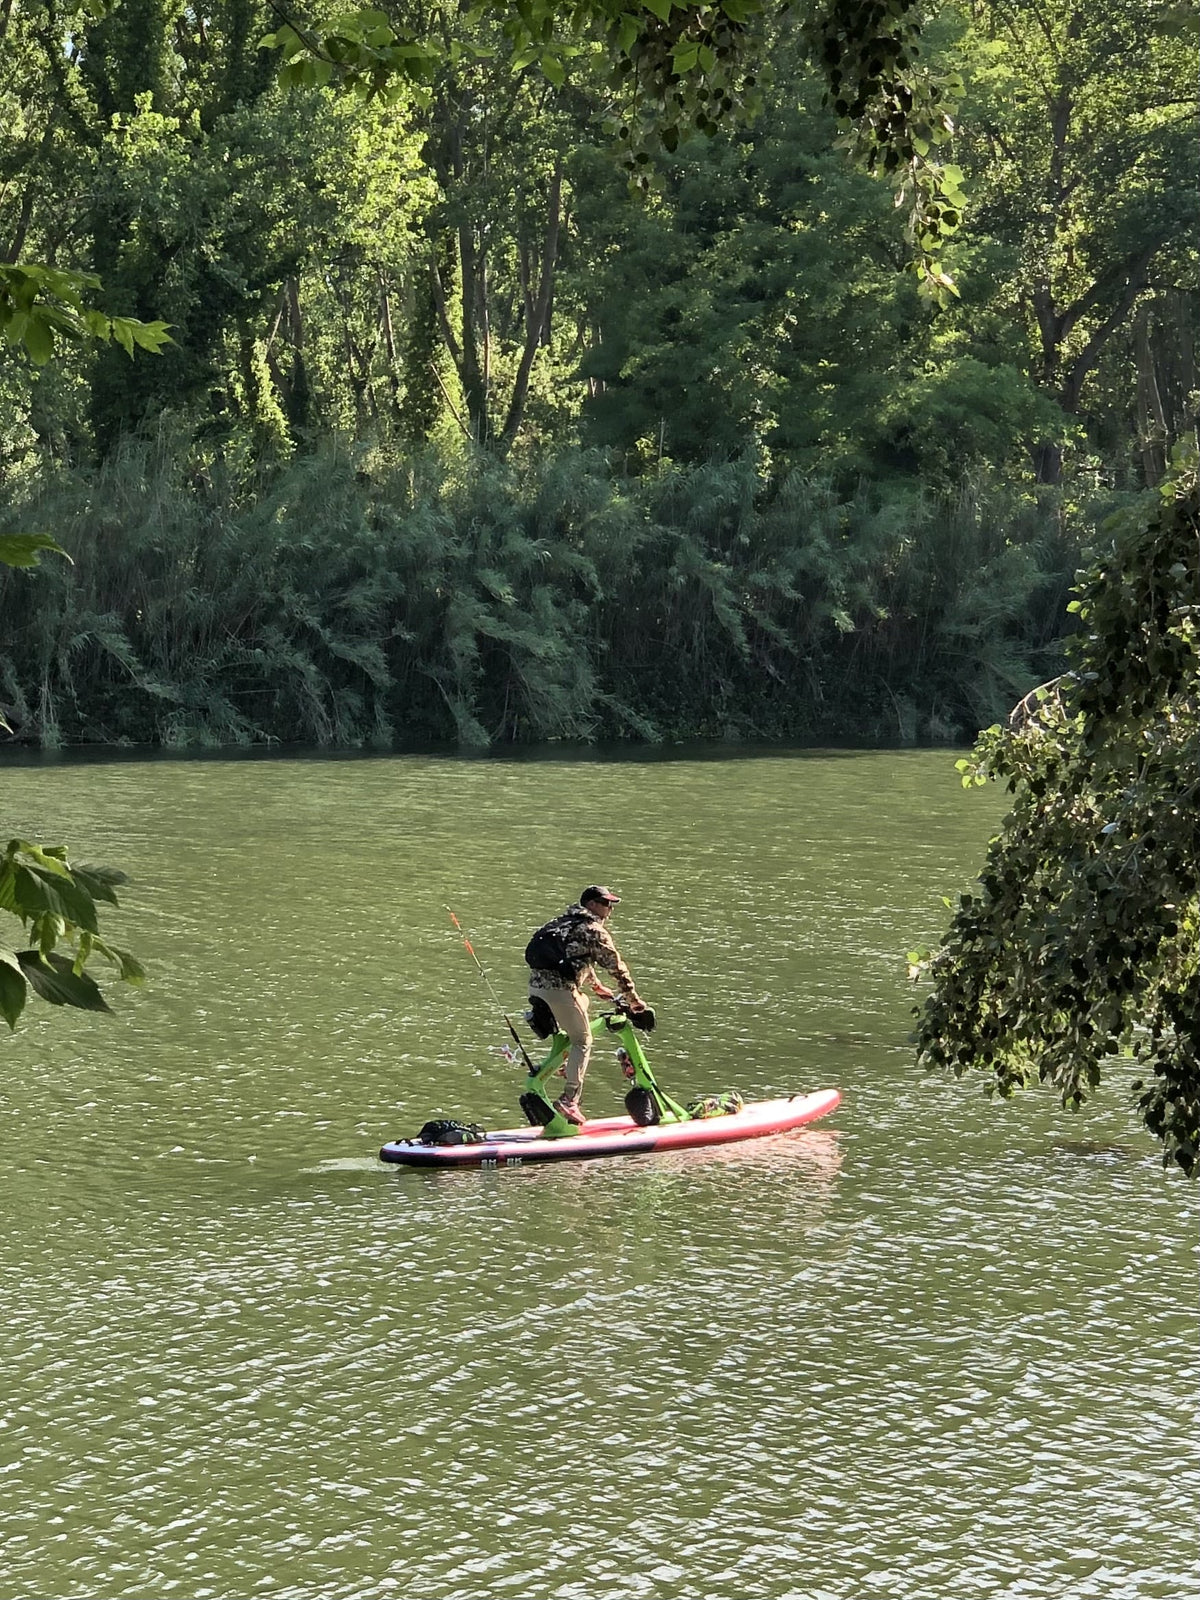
(645,1019)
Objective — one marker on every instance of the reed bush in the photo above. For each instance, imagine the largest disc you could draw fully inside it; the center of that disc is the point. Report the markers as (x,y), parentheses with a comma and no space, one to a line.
(355,596)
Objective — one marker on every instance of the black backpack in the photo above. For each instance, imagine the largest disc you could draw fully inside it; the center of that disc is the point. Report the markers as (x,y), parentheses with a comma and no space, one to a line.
(547,951)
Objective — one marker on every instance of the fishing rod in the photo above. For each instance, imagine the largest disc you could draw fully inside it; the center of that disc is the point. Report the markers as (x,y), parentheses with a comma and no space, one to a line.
(495,997)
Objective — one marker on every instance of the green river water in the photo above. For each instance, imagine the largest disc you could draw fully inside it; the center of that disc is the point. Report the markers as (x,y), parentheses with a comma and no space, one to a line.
(930,1349)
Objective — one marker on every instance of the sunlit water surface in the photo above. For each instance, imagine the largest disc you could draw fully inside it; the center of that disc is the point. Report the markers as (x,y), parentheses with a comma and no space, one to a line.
(933,1348)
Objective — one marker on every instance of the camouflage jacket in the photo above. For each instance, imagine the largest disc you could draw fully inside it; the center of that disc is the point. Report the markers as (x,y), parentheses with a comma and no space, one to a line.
(589,944)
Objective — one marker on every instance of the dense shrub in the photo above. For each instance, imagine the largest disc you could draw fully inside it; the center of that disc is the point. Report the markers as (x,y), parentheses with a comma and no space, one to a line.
(348,598)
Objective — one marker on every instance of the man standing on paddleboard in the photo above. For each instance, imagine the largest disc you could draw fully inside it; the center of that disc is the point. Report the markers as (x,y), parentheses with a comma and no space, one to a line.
(562,955)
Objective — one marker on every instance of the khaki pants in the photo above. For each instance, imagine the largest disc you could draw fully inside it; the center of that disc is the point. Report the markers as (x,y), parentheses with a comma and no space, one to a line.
(570,1010)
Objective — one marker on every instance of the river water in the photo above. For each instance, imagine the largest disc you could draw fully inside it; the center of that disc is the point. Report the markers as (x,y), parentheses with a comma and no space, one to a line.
(930,1349)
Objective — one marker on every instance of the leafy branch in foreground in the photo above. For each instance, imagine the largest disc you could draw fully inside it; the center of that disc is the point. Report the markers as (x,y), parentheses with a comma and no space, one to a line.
(39,304)
(57,904)
(899,117)
(1081,942)
(24,549)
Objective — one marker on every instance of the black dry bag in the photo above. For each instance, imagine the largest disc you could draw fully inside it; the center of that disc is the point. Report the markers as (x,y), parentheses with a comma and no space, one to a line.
(641,1107)
(446,1130)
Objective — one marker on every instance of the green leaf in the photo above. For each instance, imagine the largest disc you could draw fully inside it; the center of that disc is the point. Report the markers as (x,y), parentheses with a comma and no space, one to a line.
(39,341)
(131,968)
(40,891)
(53,979)
(122,332)
(289,42)
(23,892)
(153,336)
(48,929)
(13,988)
(52,860)
(99,882)
(24,549)
(660,8)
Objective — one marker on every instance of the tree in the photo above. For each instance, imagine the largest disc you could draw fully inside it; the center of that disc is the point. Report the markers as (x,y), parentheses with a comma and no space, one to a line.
(197,187)
(676,69)
(759,302)
(1080,945)
(495,143)
(1079,128)
(44,301)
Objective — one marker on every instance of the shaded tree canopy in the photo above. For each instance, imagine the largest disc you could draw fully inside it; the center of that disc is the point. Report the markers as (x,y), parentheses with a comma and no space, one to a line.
(1080,946)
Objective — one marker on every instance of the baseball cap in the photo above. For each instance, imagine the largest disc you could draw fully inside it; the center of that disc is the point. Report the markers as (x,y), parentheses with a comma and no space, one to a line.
(597,891)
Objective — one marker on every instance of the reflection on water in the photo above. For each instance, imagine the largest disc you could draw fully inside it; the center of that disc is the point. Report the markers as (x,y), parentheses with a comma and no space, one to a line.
(931,1348)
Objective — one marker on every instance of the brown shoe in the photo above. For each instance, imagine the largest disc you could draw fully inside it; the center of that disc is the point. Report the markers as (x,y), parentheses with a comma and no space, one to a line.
(570,1110)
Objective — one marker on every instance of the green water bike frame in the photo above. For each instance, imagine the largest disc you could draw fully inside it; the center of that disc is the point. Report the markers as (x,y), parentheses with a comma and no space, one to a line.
(616,1026)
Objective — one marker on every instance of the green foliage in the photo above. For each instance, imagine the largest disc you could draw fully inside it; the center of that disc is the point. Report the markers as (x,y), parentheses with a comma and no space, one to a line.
(25,549)
(365,50)
(364,597)
(56,903)
(1081,943)
(466,262)
(679,68)
(732,316)
(1078,127)
(41,304)
(675,70)
(900,118)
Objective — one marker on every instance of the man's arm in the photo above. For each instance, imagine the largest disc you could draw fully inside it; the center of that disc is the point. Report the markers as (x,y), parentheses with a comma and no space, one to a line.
(606,955)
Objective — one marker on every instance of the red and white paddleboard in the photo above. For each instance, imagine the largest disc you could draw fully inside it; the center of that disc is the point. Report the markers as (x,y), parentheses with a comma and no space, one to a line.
(617,1136)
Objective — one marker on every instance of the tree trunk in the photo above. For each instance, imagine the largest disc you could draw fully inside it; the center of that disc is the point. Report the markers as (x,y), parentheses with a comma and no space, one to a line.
(538,311)
(389,339)
(1153,430)
(299,395)
(470,370)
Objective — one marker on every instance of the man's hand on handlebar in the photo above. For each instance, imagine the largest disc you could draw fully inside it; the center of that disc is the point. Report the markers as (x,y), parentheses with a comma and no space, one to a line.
(639,1013)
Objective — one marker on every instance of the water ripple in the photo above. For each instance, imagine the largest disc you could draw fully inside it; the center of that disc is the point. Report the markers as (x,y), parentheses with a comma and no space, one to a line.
(931,1350)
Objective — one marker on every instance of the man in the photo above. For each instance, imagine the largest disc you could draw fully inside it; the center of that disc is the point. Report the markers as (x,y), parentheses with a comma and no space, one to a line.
(575,943)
